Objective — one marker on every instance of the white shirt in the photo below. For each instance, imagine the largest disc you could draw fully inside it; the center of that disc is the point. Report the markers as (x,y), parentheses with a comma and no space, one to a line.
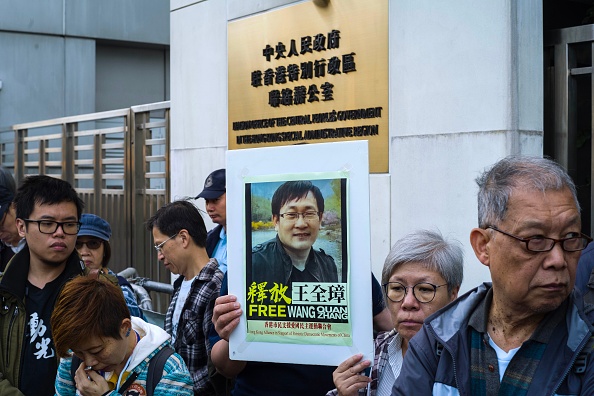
(503,358)
(184,290)
(19,246)
(392,370)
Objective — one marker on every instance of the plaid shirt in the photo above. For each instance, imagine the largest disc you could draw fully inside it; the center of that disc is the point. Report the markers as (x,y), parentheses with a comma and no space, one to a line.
(522,368)
(191,341)
(380,360)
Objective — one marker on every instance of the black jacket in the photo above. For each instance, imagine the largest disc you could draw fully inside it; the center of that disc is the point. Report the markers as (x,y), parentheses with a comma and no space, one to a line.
(270,263)
(13,316)
(6,254)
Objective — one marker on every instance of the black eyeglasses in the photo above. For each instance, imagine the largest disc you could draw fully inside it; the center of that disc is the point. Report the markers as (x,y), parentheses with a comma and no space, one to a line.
(49,226)
(423,292)
(92,244)
(543,244)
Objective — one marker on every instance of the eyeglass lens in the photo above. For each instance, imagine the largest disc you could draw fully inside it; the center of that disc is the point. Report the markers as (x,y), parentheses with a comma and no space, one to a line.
(159,247)
(423,292)
(92,244)
(49,227)
(307,216)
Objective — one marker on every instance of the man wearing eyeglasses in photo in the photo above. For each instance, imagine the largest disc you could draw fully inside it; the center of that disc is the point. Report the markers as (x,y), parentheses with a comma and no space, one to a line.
(297,210)
(526,333)
(47,216)
(179,234)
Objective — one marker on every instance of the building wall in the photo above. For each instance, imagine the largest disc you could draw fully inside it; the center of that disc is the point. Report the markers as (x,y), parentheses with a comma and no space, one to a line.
(50,65)
(465,90)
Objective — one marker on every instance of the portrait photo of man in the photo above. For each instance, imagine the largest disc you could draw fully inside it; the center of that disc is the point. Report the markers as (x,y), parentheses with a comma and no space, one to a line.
(299,216)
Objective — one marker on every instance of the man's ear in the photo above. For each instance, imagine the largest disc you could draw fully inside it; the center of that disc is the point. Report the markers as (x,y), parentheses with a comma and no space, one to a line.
(275,222)
(479,240)
(185,237)
(21,227)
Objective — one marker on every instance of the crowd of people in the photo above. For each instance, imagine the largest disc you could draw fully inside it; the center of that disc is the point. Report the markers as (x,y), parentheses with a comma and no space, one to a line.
(70,326)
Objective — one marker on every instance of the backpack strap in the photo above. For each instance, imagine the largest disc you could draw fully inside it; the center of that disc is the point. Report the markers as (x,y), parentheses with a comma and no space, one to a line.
(100,274)
(155,369)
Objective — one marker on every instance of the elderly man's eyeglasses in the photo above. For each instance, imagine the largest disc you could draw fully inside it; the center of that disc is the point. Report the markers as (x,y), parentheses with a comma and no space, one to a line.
(423,292)
(310,215)
(543,244)
(49,227)
(160,246)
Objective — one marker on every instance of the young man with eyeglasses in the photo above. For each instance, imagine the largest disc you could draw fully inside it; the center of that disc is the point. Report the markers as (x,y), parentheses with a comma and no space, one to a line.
(47,216)
(527,332)
(179,234)
(422,273)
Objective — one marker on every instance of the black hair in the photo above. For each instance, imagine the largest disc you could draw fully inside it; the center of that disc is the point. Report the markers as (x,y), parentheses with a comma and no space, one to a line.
(179,215)
(44,190)
(291,190)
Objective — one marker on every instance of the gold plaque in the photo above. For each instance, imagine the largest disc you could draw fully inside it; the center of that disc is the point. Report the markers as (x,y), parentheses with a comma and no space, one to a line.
(311,74)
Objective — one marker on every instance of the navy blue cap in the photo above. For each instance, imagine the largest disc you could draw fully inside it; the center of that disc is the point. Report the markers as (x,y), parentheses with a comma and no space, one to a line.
(92,225)
(214,186)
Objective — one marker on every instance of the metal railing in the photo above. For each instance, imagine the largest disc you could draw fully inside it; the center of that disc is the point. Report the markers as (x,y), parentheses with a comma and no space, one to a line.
(118,161)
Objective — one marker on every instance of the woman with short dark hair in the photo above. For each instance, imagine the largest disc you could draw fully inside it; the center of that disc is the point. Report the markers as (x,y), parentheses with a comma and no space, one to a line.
(91,320)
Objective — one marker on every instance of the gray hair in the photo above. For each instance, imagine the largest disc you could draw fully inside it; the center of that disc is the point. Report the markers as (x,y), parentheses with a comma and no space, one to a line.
(432,252)
(496,184)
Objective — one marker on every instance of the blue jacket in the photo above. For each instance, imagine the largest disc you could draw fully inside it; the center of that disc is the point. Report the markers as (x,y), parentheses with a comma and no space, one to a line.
(584,269)
(424,372)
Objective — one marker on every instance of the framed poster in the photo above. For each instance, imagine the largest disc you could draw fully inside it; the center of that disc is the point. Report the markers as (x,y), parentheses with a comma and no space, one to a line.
(292,239)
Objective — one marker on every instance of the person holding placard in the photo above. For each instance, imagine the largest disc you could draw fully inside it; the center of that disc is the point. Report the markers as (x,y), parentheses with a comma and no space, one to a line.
(297,209)
(421,274)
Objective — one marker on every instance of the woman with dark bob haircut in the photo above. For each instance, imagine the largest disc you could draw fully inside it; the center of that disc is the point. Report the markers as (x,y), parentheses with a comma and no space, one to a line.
(92,320)
(92,244)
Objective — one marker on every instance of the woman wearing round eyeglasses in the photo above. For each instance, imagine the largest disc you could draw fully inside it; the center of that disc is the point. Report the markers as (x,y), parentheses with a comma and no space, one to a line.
(421,274)
(92,244)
